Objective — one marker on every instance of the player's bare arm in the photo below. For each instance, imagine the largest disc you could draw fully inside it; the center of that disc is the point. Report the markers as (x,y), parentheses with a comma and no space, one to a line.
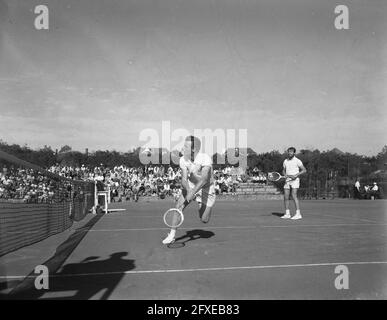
(202,180)
(184,179)
(185,186)
(295,176)
(286,175)
(303,171)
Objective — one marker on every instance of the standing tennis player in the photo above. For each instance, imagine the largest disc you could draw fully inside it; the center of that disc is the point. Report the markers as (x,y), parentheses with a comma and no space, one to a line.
(197,182)
(293,168)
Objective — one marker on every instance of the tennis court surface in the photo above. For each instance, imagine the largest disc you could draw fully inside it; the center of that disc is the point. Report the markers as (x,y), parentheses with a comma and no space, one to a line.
(246,252)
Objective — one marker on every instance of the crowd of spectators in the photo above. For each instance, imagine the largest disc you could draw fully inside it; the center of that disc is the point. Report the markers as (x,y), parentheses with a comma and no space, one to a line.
(130,183)
(125,183)
(26,185)
(228,179)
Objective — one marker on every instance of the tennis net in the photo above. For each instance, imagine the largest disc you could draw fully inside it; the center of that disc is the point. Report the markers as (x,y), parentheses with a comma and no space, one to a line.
(36,203)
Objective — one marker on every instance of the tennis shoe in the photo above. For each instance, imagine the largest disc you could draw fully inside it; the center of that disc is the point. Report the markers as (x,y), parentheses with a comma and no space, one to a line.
(297,216)
(169,239)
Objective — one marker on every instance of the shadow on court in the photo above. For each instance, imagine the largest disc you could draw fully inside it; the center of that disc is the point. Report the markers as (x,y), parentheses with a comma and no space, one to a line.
(26,289)
(191,235)
(278,214)
(93,276)
(84,280)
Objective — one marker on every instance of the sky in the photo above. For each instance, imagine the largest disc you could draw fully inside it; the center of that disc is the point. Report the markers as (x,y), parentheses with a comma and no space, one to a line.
(107,70)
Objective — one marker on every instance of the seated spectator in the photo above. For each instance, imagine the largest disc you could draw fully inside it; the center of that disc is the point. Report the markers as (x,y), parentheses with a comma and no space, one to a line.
(229,183)
(367,192)
(217,187)
(176,192)
(356,190)
(375,191)
(220,182)
(167,187)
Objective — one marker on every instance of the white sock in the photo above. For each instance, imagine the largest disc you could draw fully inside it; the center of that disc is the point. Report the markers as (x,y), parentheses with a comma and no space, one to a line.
(172,232)
(298,212)
(287,212)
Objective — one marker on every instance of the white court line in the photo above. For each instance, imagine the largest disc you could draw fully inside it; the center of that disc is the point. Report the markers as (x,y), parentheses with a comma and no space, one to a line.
(207,269)
(154,217)
(166,228)
(328,225)
(227,227)
(255,216)
(245,227)
(346,218)
(231,227)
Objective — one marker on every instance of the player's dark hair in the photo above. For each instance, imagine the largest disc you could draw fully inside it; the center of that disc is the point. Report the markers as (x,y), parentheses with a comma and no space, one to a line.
(195,142)
(292,148)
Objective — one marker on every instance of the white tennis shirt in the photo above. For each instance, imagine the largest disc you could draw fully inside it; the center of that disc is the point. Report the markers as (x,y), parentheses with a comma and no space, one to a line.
(292,166)
(201,160)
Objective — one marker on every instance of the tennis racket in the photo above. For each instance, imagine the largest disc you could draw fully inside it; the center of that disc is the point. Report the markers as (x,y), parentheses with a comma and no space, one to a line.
(275,176)
(173,218)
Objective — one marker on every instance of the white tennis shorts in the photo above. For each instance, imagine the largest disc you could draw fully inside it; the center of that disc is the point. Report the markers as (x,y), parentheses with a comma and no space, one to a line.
(295,184)
(206,196)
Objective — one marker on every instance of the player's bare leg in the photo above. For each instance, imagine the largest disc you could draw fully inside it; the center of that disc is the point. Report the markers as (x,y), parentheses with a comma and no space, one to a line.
(180,204)
(295,198)
(286,201)
(205,213)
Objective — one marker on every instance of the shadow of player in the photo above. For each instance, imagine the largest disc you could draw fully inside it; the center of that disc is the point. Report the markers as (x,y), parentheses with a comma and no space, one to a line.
(191,235)
(278,214)
(84,279)
(93,275)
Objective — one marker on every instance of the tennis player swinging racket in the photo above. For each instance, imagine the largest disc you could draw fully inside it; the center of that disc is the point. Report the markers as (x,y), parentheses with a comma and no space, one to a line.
(197,182)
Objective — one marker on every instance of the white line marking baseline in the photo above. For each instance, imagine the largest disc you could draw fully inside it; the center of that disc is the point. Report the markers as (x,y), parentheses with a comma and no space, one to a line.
(246,227)
(346,218)
(208,269)
(248,215)
(226,227)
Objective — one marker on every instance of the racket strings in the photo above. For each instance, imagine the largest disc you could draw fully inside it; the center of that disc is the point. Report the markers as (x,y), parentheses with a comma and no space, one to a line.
(173,218)
(273,176)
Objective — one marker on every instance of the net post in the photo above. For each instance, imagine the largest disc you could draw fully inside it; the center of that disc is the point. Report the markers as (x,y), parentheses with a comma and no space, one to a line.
(94,209)
(71,202)
(106,202)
